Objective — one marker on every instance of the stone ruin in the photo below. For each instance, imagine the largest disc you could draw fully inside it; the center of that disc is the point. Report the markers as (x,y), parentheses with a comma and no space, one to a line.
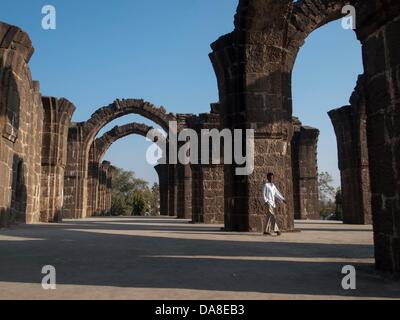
(52,168)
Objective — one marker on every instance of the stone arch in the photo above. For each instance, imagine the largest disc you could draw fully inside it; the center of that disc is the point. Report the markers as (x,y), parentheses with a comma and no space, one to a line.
(81,136)
(120,108)
(103,143)
(349,122)
(97,151)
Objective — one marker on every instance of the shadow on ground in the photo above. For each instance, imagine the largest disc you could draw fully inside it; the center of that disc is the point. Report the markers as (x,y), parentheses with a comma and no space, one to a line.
(166,254)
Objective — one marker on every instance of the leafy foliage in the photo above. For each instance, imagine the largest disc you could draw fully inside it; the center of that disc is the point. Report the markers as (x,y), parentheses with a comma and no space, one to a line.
(133,196)
(329,198)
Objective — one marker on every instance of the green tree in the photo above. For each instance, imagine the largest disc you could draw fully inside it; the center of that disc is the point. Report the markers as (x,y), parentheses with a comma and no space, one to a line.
(327,194)
(326,191)
(138,205)
(133,196)
(118,205)
(155,200)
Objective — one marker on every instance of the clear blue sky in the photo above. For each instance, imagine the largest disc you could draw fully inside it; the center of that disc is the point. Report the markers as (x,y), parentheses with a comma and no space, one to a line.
(158,50)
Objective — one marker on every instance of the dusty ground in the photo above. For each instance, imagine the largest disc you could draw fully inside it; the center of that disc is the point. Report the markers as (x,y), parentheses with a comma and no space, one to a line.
(163,258)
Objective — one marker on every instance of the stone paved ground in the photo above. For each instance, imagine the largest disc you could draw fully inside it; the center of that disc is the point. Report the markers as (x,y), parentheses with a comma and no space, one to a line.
(163,258)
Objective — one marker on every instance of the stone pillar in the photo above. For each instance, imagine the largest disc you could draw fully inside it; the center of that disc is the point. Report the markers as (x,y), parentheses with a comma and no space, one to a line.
(184,186)
(254,88)
(378,28)
(180,184)
(207,180)
(109,188)
(93,181)
(172,190)
(103,188)
(305,173)
(75,182)
(162,171)
(350,127)
(187,176)
(57,117)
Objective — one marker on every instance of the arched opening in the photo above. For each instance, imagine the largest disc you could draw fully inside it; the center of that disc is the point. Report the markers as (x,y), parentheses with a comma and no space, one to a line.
(81,138)
(123,187)
(324,77)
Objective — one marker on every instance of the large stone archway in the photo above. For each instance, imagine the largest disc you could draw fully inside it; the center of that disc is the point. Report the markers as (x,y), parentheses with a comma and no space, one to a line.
(80,139)
(253,65)
(96,168)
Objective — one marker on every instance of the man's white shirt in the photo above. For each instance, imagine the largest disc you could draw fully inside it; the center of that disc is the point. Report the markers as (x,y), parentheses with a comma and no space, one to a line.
(271,193)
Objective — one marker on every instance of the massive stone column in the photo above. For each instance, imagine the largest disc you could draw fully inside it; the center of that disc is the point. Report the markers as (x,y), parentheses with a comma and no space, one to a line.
(75,179)
(21,122)
(350,127)
(207,180)
(104,186)
(378,28)
(254,75)
(305,172)
(57,117)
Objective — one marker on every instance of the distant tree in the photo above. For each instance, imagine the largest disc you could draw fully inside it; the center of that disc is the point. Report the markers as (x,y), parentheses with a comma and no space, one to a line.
(327,195)
(326,191)
(133,196)
(138,205)
(118,205)
(155,200)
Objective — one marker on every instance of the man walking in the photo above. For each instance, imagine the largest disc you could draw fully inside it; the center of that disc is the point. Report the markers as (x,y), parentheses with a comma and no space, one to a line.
(271,193)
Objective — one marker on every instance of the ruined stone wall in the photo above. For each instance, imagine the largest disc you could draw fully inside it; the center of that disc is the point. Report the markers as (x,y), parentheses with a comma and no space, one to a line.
(57,118)
(305,173)
(21,118)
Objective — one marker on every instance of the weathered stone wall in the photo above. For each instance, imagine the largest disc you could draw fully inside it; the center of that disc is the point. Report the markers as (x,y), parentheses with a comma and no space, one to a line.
(21,118)
(351,132)
(378,28)
(57,118)
(305,172)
